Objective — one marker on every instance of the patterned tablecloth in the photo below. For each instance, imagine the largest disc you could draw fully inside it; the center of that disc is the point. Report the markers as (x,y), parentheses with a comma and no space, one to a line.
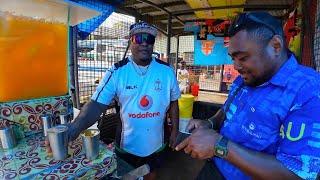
(29,160)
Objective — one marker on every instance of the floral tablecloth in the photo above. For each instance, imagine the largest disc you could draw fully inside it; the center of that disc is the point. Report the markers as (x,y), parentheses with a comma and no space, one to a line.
(27,113)
(29,160)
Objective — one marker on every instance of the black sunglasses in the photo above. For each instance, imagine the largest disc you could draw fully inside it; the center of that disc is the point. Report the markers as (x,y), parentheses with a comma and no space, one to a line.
(244,19)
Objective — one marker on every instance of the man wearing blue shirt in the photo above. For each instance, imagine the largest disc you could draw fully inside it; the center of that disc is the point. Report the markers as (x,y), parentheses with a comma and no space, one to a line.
(271,128)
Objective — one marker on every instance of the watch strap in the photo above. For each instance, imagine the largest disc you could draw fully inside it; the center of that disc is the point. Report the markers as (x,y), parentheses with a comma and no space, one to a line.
(223,141)
(221,147)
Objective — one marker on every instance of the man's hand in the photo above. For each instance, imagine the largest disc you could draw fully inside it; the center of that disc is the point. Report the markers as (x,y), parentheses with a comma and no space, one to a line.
(88,115)
(200,144)
(173,138)
(196,124)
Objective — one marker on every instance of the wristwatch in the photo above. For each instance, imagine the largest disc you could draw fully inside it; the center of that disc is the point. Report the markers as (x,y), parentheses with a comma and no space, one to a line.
(221,147)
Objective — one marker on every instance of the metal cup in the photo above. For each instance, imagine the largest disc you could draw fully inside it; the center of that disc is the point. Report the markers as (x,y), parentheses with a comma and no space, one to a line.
(64,118)
(90,143)
(58,139)
(7,138)
(46,123)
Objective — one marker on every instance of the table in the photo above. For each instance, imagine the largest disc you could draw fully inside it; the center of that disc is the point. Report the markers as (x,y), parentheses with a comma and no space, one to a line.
(29,160)
(211,97)
(204,110)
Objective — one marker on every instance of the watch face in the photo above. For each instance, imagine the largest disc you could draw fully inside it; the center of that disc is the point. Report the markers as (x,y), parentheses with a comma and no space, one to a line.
(220,152)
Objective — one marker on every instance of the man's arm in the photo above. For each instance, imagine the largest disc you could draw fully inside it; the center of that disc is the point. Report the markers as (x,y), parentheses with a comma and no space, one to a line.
(255,164)
(89,114)
(174,117)
(258,165)
(215,122)
(97,105)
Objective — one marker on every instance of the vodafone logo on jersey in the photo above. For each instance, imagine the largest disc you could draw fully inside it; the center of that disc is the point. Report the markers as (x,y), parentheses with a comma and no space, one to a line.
(144,104)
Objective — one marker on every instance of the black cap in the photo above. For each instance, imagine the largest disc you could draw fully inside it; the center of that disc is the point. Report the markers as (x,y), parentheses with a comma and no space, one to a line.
(243,20)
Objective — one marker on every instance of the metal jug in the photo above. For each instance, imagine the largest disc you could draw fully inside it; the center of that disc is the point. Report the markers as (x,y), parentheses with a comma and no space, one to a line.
(7,137)
(58,139)
(47,122)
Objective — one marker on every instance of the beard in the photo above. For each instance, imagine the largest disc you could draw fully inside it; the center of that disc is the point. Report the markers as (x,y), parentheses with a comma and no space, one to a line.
(267,72)
(257,82)
(146,59)
(260,74)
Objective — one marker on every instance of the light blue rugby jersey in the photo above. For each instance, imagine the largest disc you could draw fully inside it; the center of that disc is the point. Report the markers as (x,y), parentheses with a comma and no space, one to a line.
(280,117)
(144,101)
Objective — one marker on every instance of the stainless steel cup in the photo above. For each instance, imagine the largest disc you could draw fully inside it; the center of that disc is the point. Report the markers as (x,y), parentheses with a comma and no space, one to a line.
(58,139)
(64,118)
(47,123)
(7,138)
(90,143)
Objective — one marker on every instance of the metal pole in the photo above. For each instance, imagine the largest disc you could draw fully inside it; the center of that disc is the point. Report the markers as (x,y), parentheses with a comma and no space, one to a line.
(169,37)
(221,77)
(76,104)
(177,55)
(161,9)
(252,7)
(71,67)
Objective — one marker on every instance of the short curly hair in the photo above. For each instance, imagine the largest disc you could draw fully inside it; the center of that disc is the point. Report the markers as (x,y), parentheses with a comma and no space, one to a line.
(260,25)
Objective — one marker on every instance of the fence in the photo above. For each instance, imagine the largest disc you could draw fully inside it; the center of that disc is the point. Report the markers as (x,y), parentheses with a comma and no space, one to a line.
(104,47)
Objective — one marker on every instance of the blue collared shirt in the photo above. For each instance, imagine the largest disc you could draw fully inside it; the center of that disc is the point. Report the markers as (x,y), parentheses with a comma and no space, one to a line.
(280,117)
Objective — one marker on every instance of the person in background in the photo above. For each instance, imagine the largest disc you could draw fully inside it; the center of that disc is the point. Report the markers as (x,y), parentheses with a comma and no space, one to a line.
(183,77)
(271,119)
(145,88)
(228,74)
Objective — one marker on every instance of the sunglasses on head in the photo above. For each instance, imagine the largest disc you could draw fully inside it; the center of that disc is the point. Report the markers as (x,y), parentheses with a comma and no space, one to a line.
(246,18)
(143,37)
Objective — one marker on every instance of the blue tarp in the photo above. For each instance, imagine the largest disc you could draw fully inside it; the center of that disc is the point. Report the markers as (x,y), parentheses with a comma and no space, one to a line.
(90,25)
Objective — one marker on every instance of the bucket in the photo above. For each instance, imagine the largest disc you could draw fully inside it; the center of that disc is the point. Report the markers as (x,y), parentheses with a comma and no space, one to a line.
(186,106)
(195,90)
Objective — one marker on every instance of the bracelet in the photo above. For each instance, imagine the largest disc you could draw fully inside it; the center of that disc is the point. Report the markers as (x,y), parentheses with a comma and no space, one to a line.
(211,123)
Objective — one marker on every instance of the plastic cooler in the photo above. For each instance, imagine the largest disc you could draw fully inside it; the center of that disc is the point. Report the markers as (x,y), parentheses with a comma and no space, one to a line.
(185,111)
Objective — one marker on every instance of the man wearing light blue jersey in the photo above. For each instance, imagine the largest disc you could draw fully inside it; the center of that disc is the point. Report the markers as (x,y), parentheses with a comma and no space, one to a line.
(146,89)
(271,125)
